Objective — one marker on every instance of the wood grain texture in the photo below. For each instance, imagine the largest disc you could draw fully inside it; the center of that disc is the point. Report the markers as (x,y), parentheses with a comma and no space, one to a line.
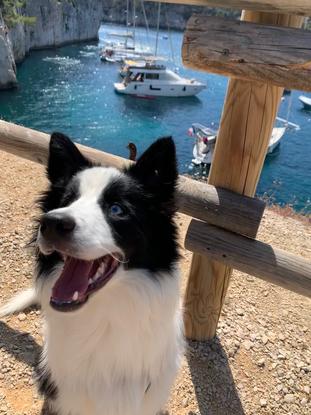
(246,124)
(254,52)
(250,256)
(205,202)
(299,7)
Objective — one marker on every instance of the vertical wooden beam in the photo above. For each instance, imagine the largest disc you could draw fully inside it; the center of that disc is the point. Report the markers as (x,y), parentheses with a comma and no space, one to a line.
(246,124)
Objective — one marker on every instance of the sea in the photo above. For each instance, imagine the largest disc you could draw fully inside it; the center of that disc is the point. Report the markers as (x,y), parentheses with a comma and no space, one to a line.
(69,89)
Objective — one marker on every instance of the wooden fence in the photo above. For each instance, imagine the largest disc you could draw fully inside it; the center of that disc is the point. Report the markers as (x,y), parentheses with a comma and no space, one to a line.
(261,58)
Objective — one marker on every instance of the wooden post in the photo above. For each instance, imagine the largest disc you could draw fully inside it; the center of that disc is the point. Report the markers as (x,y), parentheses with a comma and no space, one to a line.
(247,120)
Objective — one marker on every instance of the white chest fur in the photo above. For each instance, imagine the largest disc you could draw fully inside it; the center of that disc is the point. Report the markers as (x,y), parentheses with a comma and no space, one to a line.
(127,336)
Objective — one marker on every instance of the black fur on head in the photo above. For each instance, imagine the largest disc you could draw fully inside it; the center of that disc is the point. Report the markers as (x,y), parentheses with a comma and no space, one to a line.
(146,191)
(65,160)
(147,232)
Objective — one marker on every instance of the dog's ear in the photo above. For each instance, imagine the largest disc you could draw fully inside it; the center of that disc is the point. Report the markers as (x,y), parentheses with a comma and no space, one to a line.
(65,159)
(156,169)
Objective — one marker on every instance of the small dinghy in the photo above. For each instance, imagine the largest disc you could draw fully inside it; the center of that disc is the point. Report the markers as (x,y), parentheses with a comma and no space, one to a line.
(205,140)
(306,102)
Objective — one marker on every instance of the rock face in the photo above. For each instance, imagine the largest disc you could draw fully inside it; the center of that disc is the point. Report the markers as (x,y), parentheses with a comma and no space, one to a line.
(7,64)
(172,16)
(57,23)
(61,22)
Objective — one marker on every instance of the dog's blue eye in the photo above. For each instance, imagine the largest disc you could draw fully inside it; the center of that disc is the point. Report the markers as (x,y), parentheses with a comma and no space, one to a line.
(116,210)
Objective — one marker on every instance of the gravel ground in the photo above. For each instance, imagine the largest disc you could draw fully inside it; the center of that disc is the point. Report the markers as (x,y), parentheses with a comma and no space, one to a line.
(259,363)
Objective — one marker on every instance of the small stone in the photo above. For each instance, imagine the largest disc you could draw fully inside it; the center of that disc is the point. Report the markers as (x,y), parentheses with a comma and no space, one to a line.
(22,317)
(240,312)
(263,403)
(248,345)
(185,403)
(261,362)
(304,401)
(264,339)
(306,389)
(289,398)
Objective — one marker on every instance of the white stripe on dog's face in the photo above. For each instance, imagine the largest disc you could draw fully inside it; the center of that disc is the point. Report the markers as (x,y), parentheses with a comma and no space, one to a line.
(92,237)
(93,181)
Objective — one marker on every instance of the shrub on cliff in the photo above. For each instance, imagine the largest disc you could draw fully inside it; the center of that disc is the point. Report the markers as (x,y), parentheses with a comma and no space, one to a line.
(12,13)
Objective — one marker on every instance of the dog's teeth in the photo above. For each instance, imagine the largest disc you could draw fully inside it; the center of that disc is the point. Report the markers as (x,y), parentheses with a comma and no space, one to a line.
(75,296)
(98,274)
(91,281)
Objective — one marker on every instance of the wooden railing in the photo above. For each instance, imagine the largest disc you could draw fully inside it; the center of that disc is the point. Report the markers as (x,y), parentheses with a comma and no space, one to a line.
(226,215)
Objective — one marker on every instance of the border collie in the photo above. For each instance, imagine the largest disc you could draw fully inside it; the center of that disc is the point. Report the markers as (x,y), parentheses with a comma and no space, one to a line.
(108,283)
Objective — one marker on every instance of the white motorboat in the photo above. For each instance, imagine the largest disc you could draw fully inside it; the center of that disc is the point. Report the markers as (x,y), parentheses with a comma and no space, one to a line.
(306,102)
(275,139)
(154,79)
(203,149)
(205,140)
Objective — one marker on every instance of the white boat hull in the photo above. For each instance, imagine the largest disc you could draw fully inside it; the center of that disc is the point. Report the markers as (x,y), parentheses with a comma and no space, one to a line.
(203,154)
(306,102)
(275,139)
(159,90)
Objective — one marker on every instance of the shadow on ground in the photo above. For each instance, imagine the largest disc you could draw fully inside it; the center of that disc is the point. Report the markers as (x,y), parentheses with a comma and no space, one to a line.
(19,344)
(213,382)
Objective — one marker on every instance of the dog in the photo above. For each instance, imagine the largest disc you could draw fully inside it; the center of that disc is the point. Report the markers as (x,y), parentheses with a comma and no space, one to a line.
(107,281)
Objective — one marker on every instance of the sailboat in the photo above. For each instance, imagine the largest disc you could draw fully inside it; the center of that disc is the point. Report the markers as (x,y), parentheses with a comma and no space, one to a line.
(126,48)
(151,78)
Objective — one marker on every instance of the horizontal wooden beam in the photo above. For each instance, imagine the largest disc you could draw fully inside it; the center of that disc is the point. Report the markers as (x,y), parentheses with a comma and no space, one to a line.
(253,257)
(254,52)
(220,207)
(300,7)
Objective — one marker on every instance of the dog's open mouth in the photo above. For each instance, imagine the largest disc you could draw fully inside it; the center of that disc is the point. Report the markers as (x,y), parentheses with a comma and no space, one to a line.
(81,278)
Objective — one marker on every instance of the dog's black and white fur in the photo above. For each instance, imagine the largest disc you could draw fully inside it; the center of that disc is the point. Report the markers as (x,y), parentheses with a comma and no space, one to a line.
(107,282)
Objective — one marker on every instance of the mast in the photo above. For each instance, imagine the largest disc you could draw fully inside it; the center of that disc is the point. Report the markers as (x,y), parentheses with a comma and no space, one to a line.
(134,22)
(158,27)
(146,20)
(127,21)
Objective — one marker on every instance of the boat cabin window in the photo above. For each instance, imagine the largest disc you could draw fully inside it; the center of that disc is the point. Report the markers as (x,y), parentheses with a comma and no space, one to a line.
(152,76)
(139,77)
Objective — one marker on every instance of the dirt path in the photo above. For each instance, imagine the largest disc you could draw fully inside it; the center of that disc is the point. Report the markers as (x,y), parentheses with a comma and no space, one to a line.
(260,362)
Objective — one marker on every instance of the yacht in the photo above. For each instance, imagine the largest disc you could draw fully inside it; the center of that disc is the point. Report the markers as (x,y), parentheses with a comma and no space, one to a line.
(152,79)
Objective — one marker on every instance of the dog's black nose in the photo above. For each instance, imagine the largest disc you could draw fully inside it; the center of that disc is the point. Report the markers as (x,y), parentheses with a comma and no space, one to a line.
(53,225)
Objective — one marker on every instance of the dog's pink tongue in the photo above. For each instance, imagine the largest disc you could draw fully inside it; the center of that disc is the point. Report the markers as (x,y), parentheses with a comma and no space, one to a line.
(74,277)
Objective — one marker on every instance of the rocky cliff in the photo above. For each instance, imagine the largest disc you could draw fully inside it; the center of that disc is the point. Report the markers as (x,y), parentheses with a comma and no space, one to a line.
(56,23)
(7,64)
(174,16)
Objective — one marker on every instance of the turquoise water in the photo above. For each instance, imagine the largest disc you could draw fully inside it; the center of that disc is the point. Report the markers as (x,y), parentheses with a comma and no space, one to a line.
(70,90)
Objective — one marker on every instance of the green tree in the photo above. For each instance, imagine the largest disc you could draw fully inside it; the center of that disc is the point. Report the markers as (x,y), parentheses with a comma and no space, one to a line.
(12,12)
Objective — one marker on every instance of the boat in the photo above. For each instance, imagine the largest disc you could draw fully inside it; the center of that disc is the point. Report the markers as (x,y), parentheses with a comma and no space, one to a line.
(113,54)
(151,78)
(203,149)
(115,51)
(275,139)
(141,62)
(306,102)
